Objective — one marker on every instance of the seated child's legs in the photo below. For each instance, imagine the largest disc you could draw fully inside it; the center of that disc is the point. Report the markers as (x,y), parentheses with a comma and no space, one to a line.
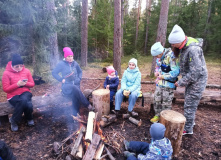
(112,93)
(118,99)
(139,147)
(167,97)
(132,158)
(132,100)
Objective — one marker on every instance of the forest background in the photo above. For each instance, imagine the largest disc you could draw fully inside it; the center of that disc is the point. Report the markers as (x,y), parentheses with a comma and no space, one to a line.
(39,29)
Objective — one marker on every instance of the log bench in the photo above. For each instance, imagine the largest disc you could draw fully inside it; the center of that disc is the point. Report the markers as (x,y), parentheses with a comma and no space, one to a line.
(57,98)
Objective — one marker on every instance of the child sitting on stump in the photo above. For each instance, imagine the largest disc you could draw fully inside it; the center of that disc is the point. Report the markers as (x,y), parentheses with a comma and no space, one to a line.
(130,87)
(159,148)
(111,82)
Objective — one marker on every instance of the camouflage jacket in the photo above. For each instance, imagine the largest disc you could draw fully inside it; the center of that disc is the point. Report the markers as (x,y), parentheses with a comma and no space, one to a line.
(158,150)
(192,62)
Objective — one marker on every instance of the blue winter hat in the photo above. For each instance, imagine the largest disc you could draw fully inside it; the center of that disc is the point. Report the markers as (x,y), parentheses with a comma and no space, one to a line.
(177,35)
(156,49)
(133,60)
(157,131)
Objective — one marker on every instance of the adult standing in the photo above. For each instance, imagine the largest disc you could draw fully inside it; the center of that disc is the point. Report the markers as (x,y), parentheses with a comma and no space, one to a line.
(70,78)
(17,81)
(193,70)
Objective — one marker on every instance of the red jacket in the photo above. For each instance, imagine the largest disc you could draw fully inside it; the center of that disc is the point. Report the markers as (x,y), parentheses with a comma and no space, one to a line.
(10,79)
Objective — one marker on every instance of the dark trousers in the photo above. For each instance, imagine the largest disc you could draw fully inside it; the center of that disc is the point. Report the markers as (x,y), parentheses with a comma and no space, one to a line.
(138,147)
(22,103)
(77,96)
(5,152)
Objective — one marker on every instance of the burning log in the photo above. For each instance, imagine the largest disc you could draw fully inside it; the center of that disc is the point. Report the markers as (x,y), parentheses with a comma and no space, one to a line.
(92,147)
(80,152)
(79,120)
(99,151)
(90,126)
(136,122)
(174,123)
(78,141)
(101,102)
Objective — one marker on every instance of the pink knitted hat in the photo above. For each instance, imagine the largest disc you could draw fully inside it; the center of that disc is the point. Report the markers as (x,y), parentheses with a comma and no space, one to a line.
(110,69)
(67,52)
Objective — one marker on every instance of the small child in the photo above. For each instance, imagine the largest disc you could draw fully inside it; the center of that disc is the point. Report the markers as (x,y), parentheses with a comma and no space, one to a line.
(159,148)
(111,82)
(167,70)
(130,86)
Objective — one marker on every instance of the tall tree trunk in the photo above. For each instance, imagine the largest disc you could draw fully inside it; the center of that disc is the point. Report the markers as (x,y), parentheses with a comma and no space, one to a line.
(122,28)
(138,18)
(117,35)
(162,29)
(34,64)
(66,5)
(53,40)
(84,33)
(207,23)
(148,10)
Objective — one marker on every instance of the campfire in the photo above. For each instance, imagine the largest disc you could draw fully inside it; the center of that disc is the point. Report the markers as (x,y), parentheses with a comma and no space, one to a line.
(90,141)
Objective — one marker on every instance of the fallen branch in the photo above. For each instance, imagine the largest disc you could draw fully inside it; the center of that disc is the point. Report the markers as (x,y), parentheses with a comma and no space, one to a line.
(79,120)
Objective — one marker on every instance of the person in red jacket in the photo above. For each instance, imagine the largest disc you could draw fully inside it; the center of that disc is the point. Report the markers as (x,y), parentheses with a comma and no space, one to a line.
(17,81)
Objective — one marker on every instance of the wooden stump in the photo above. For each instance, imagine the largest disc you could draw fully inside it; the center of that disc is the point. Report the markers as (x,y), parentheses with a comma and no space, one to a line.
(174,123)
(101,102)
(148,100)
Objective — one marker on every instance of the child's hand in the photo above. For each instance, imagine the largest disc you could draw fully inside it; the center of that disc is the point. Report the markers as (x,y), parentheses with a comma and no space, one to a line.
(126,93)
(21,83)
(108,86)
(160,76)
(63,81)
(156,74)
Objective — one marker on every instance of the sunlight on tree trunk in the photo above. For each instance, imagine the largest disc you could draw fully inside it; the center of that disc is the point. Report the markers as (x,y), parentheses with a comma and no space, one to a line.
(138,20)
(148,13)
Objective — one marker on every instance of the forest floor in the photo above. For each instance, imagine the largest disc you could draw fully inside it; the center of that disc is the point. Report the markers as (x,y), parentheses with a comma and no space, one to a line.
(54,123)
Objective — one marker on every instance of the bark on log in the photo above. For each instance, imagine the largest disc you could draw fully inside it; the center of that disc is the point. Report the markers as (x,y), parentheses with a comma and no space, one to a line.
(90,126)
(92,147)
(174,123)
(104,124)
(125,116)
(78,141)
(101,102)
(136,122)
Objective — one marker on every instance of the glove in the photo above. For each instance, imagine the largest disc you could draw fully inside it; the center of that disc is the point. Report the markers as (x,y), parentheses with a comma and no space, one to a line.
(128,154)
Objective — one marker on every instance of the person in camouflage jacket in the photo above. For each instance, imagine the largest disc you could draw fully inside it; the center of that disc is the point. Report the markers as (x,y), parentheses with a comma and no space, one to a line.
(193,70)
(160,147)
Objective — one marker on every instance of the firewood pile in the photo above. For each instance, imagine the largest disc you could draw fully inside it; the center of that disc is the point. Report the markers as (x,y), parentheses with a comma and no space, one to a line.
(90,141)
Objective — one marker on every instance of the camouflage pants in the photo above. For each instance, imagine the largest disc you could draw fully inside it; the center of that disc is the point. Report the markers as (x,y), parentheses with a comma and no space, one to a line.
(162,99)
(193,94)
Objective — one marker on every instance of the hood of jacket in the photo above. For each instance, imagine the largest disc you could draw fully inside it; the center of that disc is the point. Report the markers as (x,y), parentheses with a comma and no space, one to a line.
(10,69)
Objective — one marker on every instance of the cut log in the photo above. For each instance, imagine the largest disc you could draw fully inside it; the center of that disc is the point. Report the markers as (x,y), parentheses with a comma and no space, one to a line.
(78,141)
(109,154)
(90,126)
(92,147)
(125,116)
(174,123)
(99,151)
(136,122)
(101,102)
(79,154)
(104,124)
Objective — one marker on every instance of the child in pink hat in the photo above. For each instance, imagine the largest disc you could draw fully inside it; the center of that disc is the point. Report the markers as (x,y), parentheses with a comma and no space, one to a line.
(111,82)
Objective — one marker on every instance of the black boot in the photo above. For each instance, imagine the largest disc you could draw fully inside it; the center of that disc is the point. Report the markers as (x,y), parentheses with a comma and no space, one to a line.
(111,105)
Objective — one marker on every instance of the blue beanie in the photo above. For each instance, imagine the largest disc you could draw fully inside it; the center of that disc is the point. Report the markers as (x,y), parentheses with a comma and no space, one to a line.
(177,35)
(156,49)
(157,131)
(16,59)
(133,60)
